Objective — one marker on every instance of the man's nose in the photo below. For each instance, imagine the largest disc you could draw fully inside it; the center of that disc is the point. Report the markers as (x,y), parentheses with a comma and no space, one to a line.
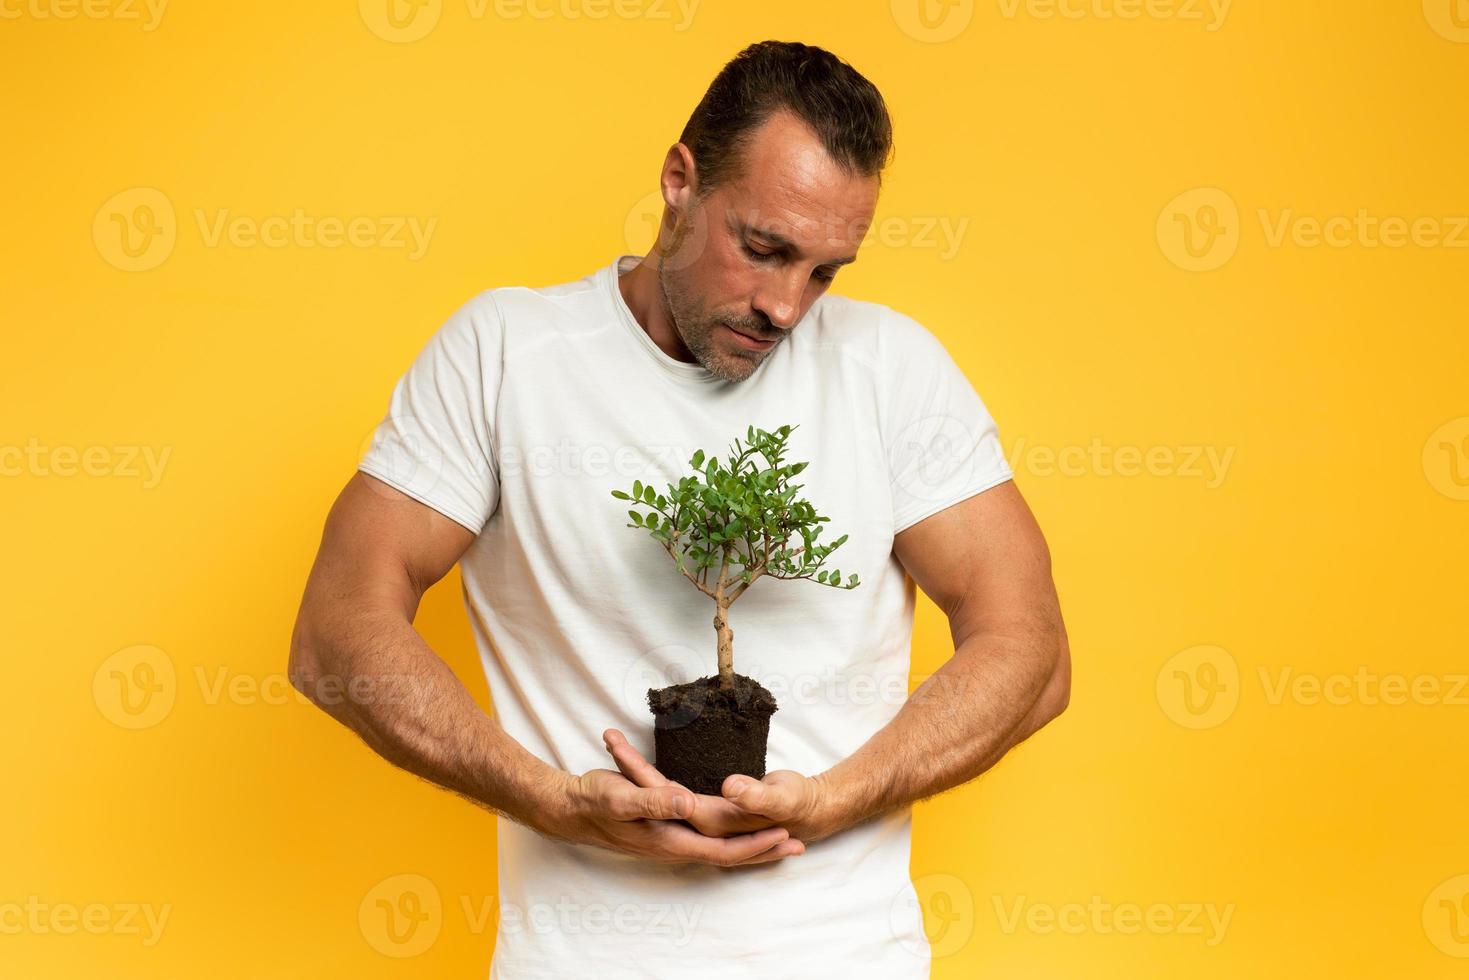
(780,300)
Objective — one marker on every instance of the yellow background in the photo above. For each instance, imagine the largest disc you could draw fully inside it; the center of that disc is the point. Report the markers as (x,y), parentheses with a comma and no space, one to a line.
(1334,540)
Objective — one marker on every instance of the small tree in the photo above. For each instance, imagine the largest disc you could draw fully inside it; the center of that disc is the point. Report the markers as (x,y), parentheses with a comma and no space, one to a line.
(739,518)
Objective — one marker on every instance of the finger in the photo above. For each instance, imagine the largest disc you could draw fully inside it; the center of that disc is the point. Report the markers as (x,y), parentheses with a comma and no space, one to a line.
(754,796)
(718,817)
(668,802)
(785,849)
(631,761)
(680,841)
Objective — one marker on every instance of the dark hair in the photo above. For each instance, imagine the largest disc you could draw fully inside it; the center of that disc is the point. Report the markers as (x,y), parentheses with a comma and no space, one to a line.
(845,110)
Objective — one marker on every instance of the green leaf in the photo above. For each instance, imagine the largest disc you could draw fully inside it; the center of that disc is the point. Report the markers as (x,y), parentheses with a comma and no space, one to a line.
(649,495)
(698,459)
(620,495)
(636,517)
(637,489)
(851,581)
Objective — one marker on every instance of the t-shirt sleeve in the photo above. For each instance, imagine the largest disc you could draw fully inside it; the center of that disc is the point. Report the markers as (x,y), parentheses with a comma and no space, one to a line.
(942,445)
(436,443)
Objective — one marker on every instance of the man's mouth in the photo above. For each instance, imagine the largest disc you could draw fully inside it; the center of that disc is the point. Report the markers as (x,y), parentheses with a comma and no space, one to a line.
(751,343)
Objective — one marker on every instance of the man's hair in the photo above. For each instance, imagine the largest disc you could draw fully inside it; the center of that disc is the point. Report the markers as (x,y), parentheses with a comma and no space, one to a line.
(843,109)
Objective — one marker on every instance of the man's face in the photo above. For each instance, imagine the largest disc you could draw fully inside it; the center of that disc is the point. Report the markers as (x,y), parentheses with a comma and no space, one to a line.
(752,257)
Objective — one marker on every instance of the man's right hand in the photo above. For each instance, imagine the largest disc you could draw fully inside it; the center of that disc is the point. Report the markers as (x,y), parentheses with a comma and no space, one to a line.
(605,808)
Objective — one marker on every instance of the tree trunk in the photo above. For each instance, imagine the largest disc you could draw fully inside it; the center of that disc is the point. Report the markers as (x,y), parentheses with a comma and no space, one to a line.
(726,645)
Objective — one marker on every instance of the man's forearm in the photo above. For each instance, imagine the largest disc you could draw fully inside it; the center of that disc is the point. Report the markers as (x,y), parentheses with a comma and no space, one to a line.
(992,694)
(373,672)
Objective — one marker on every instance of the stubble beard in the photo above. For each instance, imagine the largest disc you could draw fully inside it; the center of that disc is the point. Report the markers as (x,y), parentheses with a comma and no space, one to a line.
(698,333)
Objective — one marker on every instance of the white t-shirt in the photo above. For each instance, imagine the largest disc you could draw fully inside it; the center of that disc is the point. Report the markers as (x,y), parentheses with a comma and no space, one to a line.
(522,413)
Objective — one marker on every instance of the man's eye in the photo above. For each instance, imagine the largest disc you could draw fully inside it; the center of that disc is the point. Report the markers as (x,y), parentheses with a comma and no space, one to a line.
(818,275)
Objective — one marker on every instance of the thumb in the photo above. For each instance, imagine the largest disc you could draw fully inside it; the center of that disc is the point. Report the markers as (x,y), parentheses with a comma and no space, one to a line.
(665,803)
(746,793)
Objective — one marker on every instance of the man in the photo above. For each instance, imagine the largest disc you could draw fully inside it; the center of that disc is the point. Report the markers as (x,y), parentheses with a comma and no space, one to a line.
(501,445)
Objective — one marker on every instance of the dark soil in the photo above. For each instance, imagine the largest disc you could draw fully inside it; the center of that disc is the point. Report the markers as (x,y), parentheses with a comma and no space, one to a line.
(702,733)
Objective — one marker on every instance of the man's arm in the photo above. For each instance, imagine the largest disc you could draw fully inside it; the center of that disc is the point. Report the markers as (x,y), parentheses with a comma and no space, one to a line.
(985,563)
(355,653)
